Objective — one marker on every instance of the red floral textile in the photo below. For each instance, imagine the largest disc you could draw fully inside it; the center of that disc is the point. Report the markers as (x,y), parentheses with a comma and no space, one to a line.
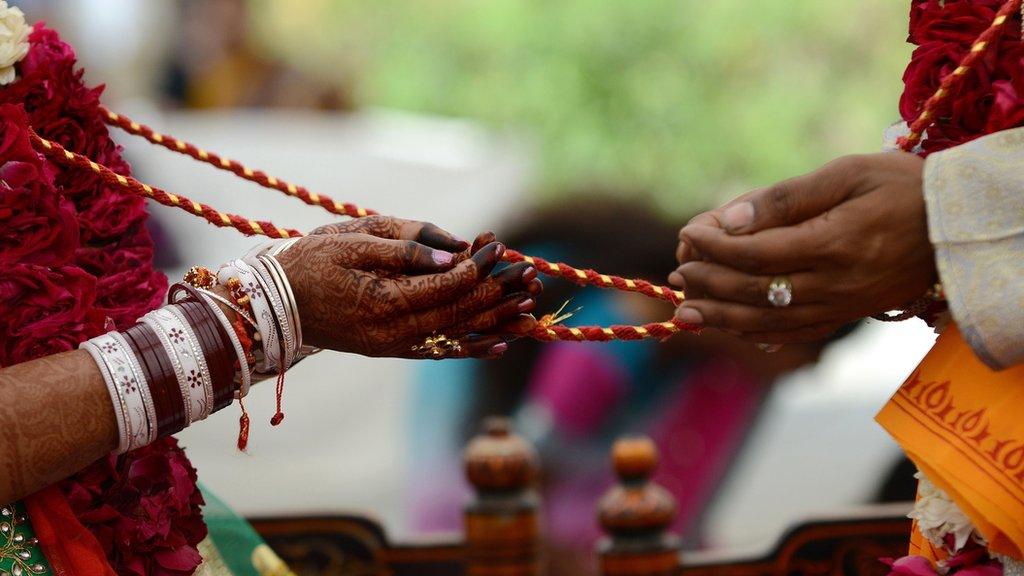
(75,260)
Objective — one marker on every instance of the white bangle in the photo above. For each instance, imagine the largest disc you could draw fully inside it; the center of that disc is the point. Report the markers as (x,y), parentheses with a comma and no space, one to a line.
(238,309)
(281,356)
(116,397)
(293,339)
(152,433)
(125,385)
(243,362)
(291,306)
(200,380)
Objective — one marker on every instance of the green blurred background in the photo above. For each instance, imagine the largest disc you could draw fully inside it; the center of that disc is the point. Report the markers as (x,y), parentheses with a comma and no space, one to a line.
(689,102)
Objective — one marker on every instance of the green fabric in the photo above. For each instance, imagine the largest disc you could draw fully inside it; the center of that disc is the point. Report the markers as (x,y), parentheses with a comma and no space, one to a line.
(19,553)
(233,536)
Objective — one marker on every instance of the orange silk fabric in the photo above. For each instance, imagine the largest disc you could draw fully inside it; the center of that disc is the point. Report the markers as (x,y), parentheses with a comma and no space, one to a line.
(69,547)
(963,426)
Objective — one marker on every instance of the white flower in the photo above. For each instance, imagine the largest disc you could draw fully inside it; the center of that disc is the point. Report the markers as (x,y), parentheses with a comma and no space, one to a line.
(937,516)
(13,40)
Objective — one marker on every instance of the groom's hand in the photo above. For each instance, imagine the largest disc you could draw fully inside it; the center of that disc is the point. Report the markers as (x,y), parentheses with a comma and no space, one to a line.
(851,237)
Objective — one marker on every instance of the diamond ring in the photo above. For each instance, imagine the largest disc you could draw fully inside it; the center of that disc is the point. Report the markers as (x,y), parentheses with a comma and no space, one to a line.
(780,292)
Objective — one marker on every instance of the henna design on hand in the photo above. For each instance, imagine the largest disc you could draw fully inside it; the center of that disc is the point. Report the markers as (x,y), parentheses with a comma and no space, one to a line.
(57,419)
(346,305)
(398,229)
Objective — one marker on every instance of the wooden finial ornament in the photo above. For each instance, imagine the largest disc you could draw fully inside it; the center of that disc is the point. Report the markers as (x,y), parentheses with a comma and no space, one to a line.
(502,523)
(636,515)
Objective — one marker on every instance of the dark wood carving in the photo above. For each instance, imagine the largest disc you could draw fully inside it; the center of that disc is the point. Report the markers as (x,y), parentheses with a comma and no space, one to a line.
(636,514)
(502,534)
(502,525)
(850,545)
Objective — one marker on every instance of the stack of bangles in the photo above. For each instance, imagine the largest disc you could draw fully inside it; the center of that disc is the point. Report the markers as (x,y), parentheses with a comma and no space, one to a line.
(191,358)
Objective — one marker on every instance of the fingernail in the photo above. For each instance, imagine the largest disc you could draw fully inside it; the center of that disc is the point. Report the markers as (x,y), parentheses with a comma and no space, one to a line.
(441,257)
(738,217)
(486,259)
(498,349)
(688,315)
(529,274)
(676,279)
(526,305)
(500,251)
(683,252)
(535,287)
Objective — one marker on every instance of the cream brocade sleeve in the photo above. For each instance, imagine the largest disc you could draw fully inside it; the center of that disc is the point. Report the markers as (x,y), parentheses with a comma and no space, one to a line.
(975,202)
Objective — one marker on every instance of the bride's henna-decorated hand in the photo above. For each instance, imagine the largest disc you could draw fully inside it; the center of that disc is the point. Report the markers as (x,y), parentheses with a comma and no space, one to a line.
(521,277)
(346,306)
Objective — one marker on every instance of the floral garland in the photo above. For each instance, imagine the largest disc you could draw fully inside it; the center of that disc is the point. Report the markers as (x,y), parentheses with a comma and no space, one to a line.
(990,99)
(76,260)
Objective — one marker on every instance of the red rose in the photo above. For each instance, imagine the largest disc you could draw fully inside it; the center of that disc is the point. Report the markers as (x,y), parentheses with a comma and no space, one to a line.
(1007,110)
(37,226)
(134,289)
(144,509)
(988,98)
(109,215)
(955,21)
(48,310)
(929,64)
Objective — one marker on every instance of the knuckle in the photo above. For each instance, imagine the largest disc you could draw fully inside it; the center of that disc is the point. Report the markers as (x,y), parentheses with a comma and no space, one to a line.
(748,257)
(713,316)
(773,321)
(410,250)
(848,167)
(780,201)
(755,291)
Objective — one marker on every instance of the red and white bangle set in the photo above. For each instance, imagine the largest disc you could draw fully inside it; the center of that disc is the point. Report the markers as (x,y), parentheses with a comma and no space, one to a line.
(185,361)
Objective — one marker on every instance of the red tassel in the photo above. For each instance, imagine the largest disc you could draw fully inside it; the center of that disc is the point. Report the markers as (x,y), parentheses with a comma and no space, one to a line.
(279,416)
(243,428)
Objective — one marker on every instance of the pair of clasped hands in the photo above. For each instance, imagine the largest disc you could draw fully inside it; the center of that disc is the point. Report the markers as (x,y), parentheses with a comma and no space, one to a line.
(851,238)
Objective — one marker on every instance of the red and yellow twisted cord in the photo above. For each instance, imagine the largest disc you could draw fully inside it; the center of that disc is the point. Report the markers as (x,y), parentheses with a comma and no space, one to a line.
(553,269)
(258,176)
(244,225)
(543,331)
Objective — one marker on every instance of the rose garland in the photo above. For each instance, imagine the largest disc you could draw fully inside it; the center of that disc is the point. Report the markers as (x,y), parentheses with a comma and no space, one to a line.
(965,79)
(75,260)
(989,95)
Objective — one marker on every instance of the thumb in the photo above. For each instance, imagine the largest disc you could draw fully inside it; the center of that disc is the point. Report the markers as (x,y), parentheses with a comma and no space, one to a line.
(792,201)
(405,257)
